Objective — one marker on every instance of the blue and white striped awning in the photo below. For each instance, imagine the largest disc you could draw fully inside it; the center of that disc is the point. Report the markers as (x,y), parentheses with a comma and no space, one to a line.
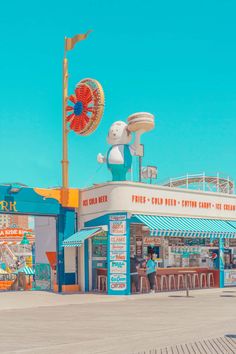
(77,239)
(188,227)
(232,223)
(26,270)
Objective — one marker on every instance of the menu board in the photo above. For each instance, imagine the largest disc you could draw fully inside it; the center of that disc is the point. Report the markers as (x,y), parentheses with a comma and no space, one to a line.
(232,242)
(117,226)
(175,241)
(151,241)
(117,271)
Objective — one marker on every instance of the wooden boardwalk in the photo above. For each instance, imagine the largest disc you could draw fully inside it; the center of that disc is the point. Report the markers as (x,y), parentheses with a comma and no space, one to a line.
(221,345)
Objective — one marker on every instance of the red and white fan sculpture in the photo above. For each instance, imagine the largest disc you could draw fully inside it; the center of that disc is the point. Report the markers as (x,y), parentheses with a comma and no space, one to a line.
(85,107)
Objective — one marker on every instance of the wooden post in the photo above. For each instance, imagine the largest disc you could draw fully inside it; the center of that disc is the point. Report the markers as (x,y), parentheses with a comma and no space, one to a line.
(65,162)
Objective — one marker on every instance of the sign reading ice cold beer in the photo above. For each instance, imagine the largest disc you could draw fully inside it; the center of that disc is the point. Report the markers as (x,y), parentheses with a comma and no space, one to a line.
(117,270)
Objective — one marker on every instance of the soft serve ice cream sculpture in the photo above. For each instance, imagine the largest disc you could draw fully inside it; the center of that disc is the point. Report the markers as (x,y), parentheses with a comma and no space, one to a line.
(119,156)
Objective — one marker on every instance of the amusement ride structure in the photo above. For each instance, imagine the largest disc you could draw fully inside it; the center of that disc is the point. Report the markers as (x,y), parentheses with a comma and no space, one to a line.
(202,182)
(87,107)
(15,244)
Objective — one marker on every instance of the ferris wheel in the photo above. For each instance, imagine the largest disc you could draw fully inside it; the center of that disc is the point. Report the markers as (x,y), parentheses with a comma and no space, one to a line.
(85,107)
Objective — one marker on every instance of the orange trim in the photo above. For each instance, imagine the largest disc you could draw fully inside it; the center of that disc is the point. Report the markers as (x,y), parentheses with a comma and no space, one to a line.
(52,258)
(70,288)
(66,197)
(73,288)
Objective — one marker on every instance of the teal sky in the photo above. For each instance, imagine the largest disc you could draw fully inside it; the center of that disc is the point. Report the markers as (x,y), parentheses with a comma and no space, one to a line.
(175,59)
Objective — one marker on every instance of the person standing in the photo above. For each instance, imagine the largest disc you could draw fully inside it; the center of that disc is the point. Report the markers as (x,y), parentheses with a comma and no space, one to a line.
(151,272)
(134,279)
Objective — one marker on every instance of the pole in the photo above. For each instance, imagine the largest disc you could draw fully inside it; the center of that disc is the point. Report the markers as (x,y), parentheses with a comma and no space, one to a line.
(140,169)
(65,162)
(221,262)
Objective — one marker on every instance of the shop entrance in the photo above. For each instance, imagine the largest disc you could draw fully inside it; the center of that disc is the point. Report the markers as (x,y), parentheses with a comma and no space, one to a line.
(98,262)
(86,259)
(27,252)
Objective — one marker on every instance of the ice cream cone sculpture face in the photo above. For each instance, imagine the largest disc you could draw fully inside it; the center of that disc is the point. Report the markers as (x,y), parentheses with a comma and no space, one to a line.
(119,134)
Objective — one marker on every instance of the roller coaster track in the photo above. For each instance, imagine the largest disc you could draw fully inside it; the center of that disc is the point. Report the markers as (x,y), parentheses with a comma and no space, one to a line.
(202,182)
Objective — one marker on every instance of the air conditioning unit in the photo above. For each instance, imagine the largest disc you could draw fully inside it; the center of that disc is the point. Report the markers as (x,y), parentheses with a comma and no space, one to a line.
(149,172)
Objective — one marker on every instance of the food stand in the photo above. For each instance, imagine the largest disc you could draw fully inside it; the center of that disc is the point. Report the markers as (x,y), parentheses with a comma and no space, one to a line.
(161,219)
(184,229)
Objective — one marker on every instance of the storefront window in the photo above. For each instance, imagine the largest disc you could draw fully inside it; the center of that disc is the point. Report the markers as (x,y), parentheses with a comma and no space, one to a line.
(142,243)
(179,251)
(99,257)
(99,244)
(99,247)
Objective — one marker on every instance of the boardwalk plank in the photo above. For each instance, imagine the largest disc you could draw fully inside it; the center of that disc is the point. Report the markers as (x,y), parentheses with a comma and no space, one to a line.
(215,347)
(224,345)
(231,341)
(199,348)
(229,344)
(203,348)
(220,345)
(193,348)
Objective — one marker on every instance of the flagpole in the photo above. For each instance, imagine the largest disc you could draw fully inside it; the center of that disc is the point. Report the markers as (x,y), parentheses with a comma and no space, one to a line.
(65,162)
(68,45)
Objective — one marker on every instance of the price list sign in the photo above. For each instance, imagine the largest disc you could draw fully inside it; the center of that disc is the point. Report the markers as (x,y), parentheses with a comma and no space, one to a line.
(117,265)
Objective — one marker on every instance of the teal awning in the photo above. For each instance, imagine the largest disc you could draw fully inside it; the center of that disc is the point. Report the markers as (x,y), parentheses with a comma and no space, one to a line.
(187,227)
(77,239)
(232,223)
(26,270)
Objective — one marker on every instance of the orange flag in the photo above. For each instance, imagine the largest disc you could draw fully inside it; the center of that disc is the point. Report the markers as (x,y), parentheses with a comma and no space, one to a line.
(70,42)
